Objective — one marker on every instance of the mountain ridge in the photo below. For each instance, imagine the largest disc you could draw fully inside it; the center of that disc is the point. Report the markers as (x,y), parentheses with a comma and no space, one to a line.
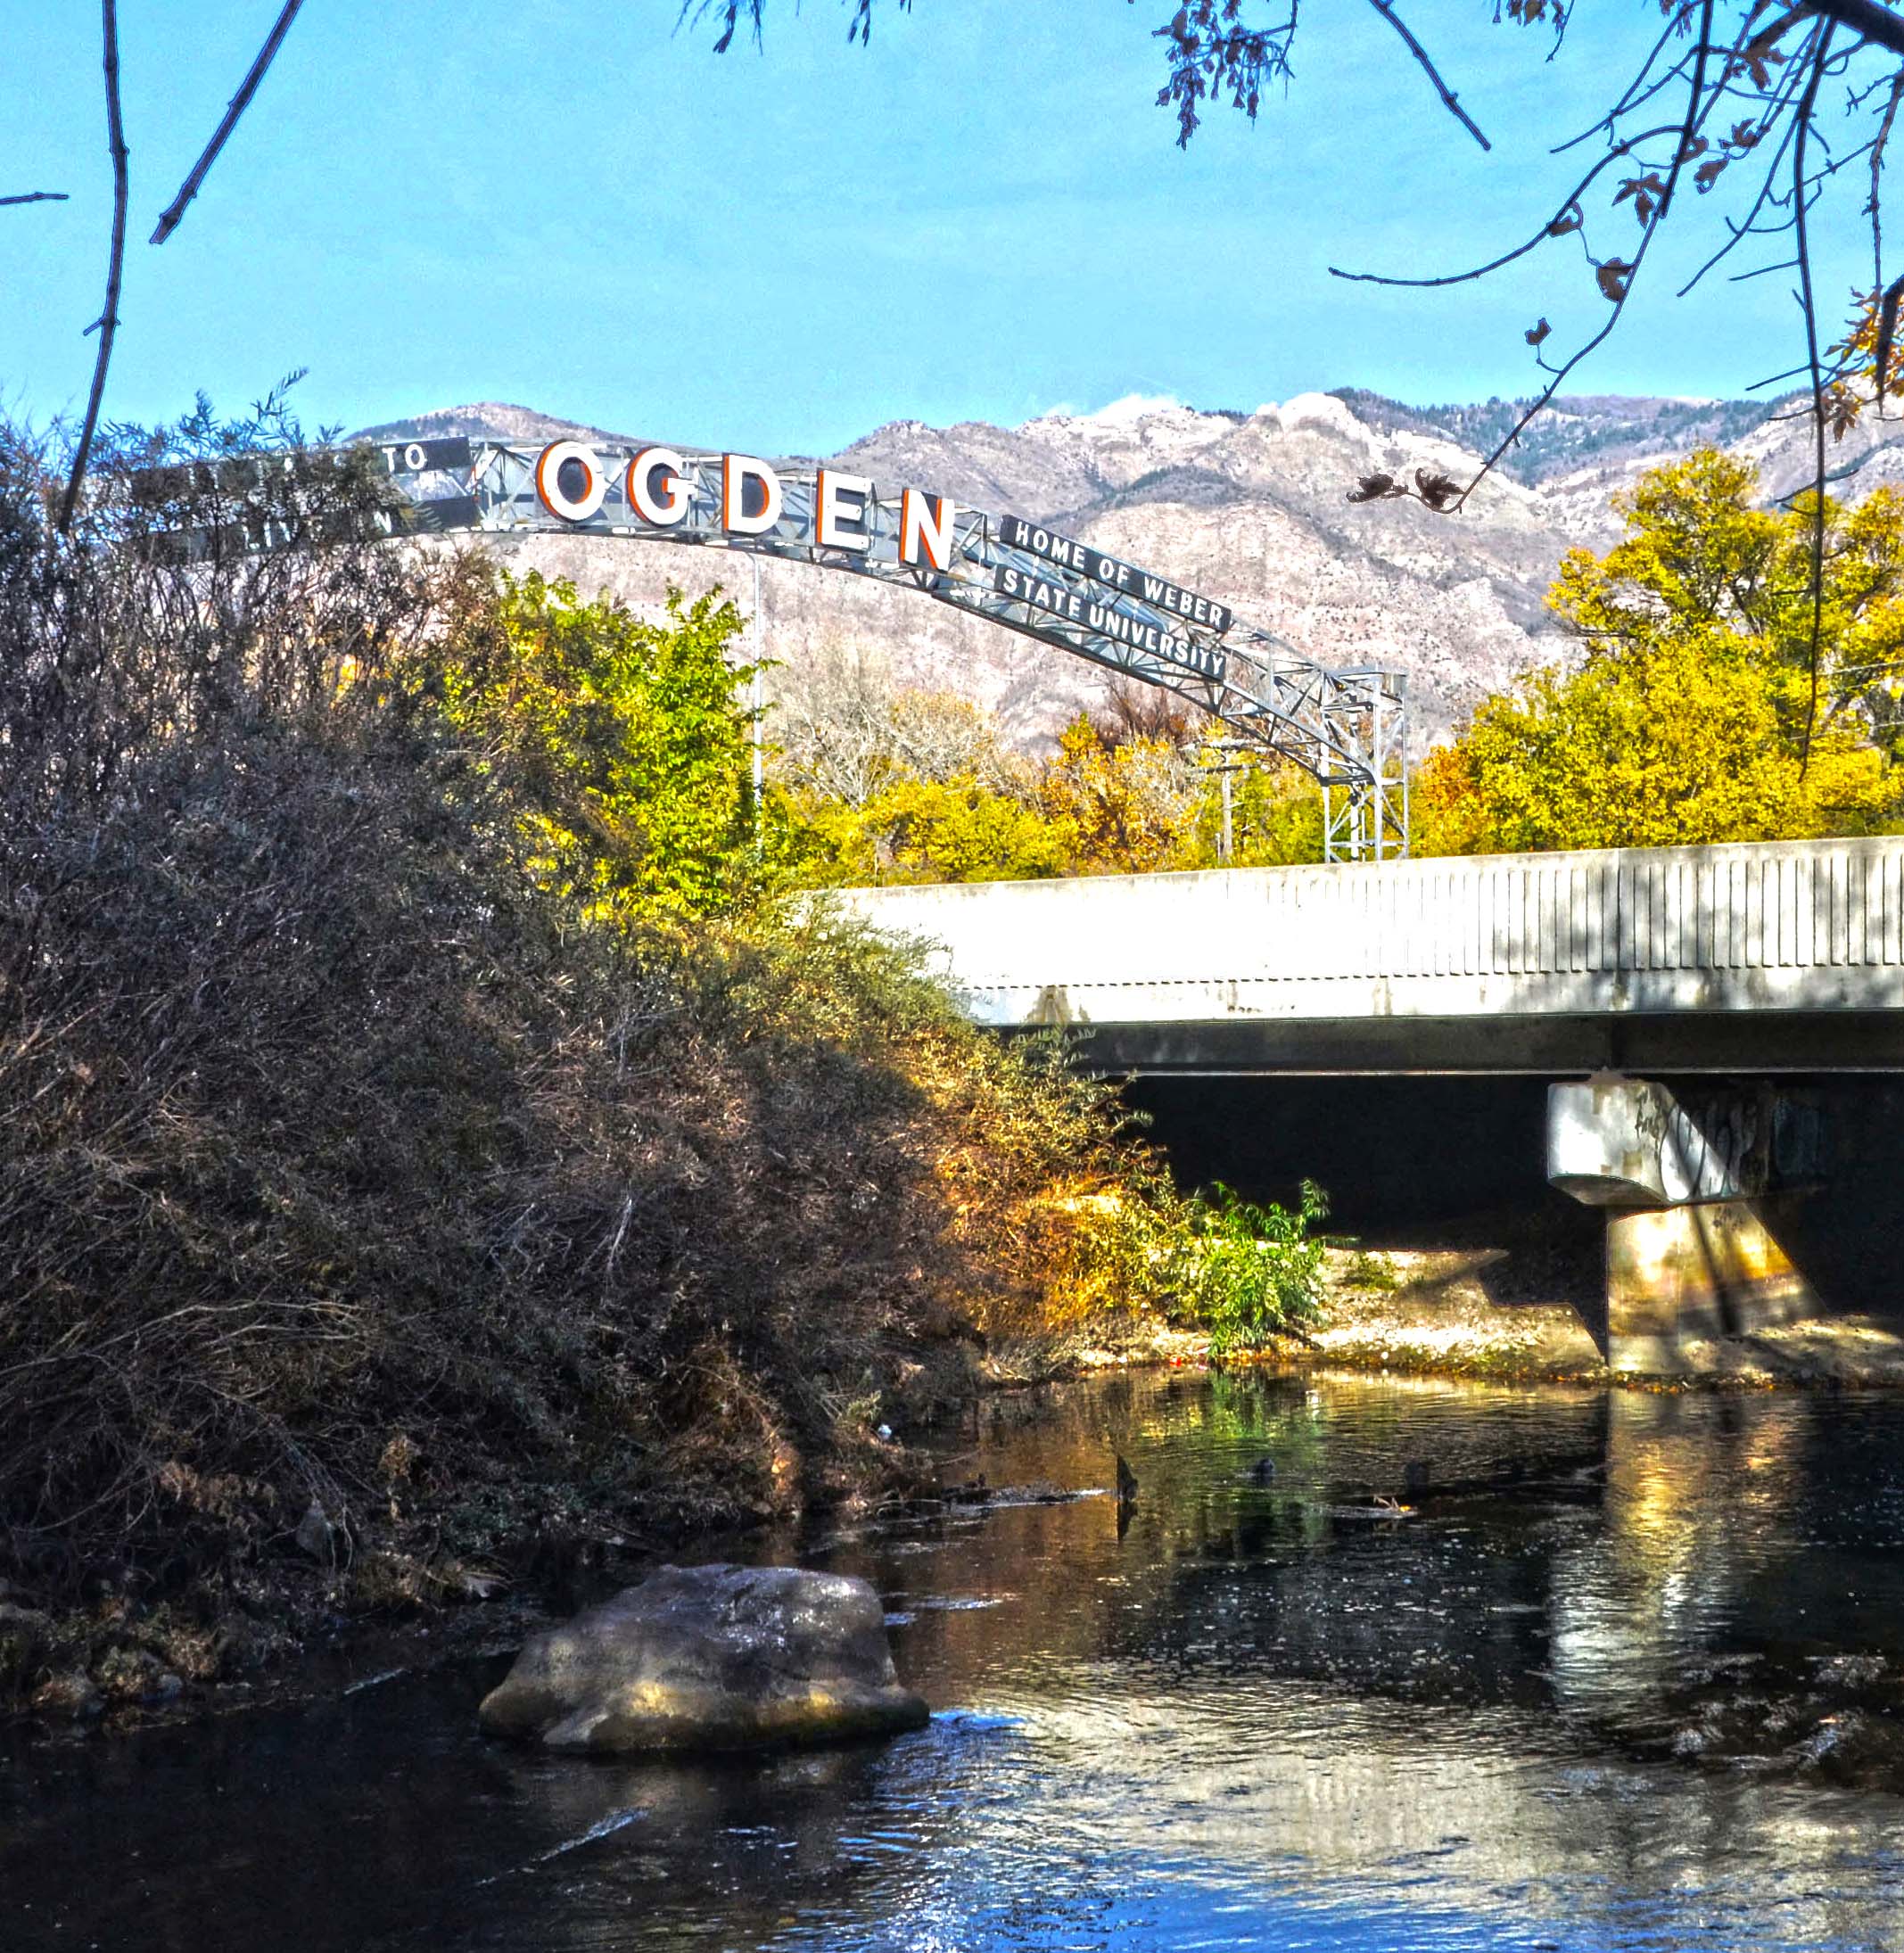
(1248,508)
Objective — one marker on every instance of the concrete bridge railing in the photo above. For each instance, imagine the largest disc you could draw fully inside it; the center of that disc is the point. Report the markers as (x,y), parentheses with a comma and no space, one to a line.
(1404,965)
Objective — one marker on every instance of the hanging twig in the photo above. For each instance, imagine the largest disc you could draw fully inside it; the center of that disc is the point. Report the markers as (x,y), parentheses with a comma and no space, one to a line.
(1874,209)
(1568,218)
(174,213)
(1818,383)
(1736,233)
(1695,113)
(38,196)
(107,325)
(1386,8)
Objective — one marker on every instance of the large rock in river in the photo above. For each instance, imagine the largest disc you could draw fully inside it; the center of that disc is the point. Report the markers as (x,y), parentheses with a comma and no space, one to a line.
(710,1657)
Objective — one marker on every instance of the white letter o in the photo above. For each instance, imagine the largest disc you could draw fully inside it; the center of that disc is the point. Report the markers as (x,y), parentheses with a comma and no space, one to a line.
(549,480)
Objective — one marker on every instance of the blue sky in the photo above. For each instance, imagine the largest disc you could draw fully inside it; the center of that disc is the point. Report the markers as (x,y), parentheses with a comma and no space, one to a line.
(983,215)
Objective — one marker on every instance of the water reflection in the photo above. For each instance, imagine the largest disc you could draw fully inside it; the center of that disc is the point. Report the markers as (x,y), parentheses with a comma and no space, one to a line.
(1624,1679)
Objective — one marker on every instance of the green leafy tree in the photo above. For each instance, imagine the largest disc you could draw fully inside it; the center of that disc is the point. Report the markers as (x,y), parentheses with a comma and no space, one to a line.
(623,740)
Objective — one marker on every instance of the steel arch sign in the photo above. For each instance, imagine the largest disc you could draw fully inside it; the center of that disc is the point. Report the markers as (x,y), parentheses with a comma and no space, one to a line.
(1345,727)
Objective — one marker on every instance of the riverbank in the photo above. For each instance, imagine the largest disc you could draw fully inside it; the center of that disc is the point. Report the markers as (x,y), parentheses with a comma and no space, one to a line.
(1516,1311)
(1511,1309)
(296,1625)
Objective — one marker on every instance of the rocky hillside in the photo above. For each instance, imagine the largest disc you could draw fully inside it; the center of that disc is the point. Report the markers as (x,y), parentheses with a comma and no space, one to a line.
(1577,432)
(1251,508)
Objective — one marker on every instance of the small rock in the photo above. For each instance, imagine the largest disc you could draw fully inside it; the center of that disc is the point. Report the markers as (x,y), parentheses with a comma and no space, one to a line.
(315,1535)
(710,1657)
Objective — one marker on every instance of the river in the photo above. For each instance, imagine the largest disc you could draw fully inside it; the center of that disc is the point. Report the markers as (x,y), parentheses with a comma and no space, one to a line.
(1630,1675)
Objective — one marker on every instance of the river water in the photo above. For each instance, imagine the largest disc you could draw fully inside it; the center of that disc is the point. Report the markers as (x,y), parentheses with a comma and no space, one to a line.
(1630,1675)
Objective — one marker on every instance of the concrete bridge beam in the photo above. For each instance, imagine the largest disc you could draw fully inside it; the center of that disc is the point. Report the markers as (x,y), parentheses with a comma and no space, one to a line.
(1697,1192)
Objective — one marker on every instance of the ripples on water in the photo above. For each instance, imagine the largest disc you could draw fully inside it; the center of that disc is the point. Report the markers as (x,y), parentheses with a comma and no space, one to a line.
(1647,1700)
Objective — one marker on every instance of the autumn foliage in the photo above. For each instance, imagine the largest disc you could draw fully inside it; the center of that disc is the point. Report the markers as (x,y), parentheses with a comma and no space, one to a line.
(886,783)
(1690,712)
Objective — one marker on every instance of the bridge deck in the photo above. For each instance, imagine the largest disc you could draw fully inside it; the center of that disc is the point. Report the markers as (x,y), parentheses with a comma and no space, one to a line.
(1754,957)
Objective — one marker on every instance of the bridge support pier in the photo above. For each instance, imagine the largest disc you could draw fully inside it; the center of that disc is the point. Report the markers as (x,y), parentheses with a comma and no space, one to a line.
(1680,1277)
(1697,1195)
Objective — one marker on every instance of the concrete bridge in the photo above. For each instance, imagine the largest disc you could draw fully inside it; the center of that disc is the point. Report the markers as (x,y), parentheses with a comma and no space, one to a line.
(1718,1027)
(1765,957)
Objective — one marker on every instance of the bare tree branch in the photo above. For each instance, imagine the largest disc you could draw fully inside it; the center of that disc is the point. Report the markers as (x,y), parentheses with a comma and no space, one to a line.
(1809,309)
(107,325)
(1738,233)
(1638,92)
(1696,111)
(1698,104)
(174,213)
(1741,96)
(1386,8)
(1865,17)
(38,196)
(1566,220)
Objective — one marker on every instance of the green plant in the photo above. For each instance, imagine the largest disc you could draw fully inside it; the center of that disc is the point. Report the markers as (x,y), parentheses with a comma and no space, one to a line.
(622,743)
(1372,1272)
(1247,1273)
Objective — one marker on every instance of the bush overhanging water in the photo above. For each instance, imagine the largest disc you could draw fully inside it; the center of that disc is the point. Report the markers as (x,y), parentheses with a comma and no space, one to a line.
(428,1126)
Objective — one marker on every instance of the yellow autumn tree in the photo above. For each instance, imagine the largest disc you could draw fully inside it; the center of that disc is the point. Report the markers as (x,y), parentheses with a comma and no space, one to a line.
(962,829)
(1690,717)
(1125,804)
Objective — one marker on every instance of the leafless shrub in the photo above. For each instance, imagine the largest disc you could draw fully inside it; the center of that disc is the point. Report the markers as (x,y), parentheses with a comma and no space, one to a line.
(154,625)
(345,1165)
(1134,714)
(847,729)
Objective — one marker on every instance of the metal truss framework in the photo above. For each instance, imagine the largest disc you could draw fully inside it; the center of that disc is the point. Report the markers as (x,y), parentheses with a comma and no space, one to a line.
(1348,729)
